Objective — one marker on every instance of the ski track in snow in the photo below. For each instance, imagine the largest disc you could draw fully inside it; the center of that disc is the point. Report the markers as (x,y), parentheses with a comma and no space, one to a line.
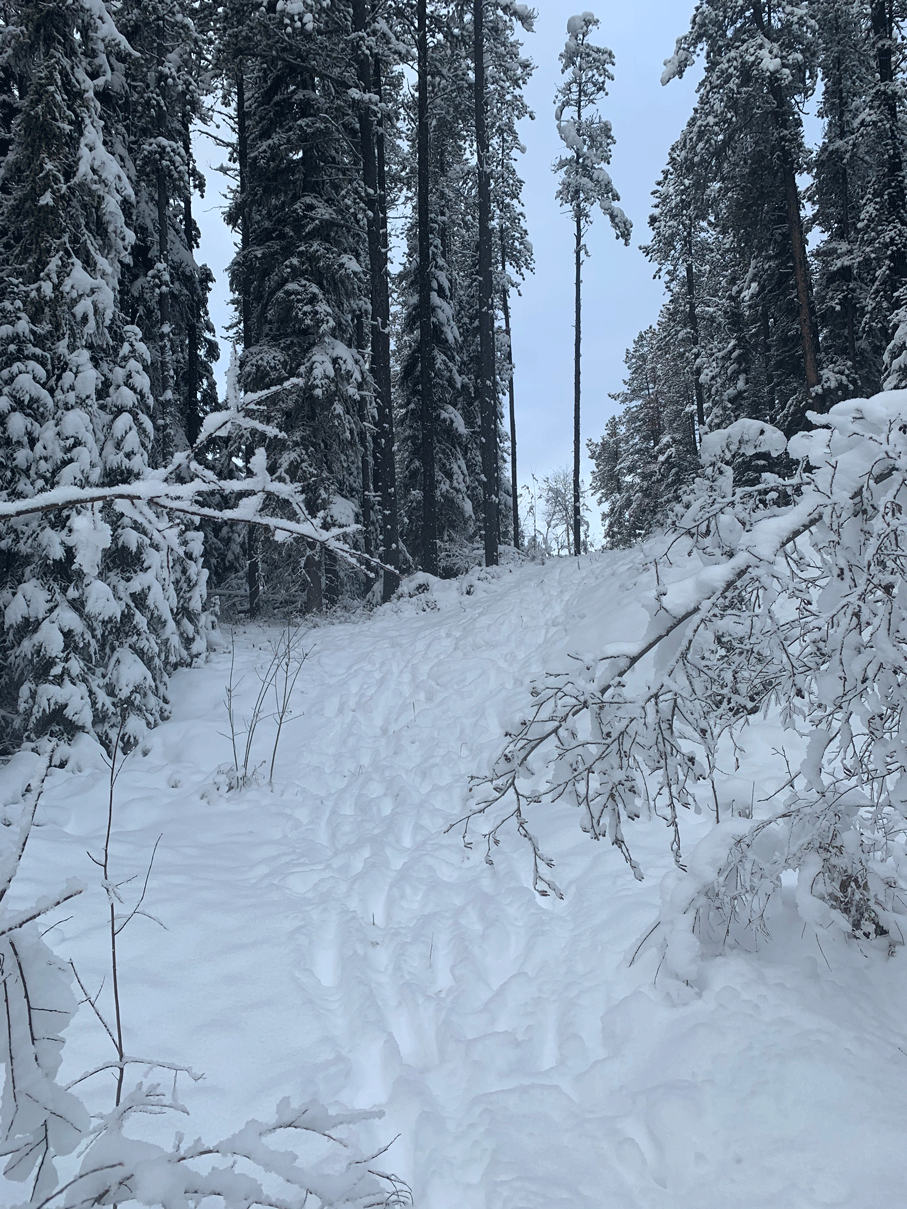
(326,939)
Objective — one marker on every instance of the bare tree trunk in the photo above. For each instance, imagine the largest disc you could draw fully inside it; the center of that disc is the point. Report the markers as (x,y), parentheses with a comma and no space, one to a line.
(191,411)
(514,490)
(366,454)
(487,395)
(883,29)
(426,339)
(577,354)
(314,597)
(390,523)
(809,339)
(371,139)
(253,560)
(693,320)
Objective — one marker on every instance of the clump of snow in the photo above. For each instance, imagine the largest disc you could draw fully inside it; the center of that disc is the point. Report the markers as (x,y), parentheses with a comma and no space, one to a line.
(743,437)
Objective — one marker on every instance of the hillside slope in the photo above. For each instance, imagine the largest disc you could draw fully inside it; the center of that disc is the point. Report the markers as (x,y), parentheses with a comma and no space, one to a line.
(325,938)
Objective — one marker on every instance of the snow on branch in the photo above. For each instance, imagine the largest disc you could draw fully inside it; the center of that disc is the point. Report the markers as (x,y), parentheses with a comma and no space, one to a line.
(789,596)
(178,487)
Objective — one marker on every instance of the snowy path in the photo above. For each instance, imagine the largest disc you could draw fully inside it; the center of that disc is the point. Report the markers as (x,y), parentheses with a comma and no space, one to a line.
(328,940)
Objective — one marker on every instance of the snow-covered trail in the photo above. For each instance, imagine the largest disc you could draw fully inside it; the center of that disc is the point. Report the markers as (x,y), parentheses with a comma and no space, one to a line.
(326,939)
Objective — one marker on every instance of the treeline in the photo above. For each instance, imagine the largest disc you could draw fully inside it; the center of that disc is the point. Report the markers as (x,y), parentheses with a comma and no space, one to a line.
(382,387)
(785,267)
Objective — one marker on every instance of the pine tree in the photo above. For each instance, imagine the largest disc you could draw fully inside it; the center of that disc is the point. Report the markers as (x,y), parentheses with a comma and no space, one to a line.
(373,61)
(647,455)
(68,632)
(437,438)
(507,107)
(883,221)
(165,290)
(585,182)
(842,169)
(299,280)
(744,148)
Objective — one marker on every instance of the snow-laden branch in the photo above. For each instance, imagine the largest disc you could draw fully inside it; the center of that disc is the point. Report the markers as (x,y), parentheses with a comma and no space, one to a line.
(790,594)
(179,487)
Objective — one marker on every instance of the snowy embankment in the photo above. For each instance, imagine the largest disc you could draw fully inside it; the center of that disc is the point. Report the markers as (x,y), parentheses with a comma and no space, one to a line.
(326,939)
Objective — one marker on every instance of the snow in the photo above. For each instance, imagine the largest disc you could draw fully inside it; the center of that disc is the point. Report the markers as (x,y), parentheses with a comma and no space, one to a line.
(326,939)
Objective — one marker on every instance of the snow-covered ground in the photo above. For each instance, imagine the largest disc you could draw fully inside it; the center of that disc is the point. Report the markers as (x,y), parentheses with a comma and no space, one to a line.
(324,937)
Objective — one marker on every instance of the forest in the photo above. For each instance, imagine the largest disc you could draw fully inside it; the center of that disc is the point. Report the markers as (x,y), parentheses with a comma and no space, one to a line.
(311,676)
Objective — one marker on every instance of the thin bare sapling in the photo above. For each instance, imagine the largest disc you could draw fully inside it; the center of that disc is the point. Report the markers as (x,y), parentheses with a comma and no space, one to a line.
(278,679)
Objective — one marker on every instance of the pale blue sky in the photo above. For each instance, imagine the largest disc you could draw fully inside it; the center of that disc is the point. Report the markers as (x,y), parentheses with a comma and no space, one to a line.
(620,297)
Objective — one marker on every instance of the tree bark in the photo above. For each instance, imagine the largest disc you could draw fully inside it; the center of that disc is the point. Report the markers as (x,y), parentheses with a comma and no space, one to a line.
(366,456)
(371,140)
(390,522)
(514,490)
(165,437)
(253,559)
(487,393)
(693,320)
(883,30)
(577,364)
(426,337)
(191,385)
(809,340)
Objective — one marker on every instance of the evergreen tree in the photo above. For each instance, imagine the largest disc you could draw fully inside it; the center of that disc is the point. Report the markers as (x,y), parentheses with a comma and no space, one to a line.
(374,61)
(447,436)
(165,290)
(842,168)
(74,659)
(743,147)
(648,452)
(438,442)
(299,279)
(507,107)
(585,182)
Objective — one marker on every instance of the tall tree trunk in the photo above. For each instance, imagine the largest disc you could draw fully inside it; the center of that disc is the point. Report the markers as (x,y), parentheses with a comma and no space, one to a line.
(371,139)
(809,339)
(577,355)
(771,401)
(366,457)
(390,521)
(426,338)
(693,321)
(253,560)
(844,224)
(164,419)
(577,340)
(190,402)
(883,30)
(313,566)
(488,427)
(514,490)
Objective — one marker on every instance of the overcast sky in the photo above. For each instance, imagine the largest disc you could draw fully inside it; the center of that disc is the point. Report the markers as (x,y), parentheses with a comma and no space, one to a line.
(619,295)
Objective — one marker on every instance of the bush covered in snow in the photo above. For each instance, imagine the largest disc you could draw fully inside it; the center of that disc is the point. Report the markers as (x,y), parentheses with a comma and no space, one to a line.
(788,596)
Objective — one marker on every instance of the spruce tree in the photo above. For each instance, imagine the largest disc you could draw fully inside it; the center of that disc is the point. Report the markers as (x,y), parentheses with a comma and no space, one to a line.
(744,147)
(299,279)
(438,439)
(842,169)
(648,454)
(74,657)
(165,290)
